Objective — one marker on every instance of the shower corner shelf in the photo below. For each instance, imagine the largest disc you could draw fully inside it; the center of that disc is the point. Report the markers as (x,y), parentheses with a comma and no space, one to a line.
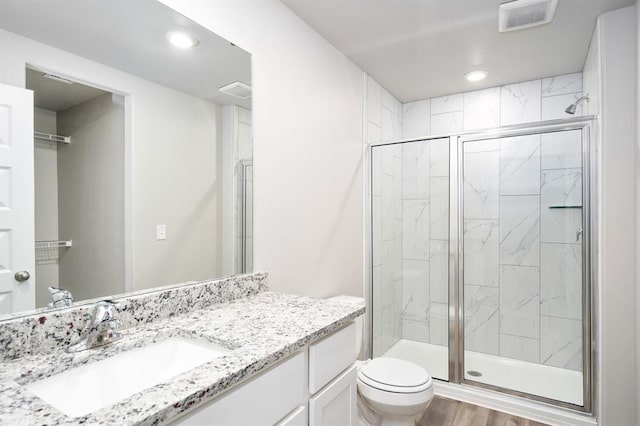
(52,138)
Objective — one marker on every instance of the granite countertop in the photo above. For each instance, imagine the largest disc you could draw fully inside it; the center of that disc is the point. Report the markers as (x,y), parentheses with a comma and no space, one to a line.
(259,330)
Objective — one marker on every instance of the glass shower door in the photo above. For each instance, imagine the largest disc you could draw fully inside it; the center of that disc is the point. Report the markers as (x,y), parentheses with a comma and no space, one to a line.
(523,262)
(410,253)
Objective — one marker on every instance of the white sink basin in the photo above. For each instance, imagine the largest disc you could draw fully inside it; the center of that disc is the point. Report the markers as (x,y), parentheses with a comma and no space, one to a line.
(83,390)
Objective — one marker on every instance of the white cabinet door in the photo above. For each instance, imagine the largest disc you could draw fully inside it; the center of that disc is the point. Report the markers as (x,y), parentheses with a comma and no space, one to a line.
(16,199)
(336,404)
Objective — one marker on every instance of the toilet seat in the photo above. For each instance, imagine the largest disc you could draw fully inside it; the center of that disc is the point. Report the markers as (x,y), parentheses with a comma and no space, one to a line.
(395,375)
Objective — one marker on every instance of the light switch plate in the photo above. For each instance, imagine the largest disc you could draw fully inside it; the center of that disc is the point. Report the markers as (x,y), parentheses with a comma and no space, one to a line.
(161,232)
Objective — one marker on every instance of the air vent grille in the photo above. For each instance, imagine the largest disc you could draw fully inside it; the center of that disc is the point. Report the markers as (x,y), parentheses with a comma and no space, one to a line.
(237,89)
(520,14)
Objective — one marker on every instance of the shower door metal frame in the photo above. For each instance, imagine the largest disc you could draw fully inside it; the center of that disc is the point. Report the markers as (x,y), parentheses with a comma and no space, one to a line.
(456,274)
(582,124)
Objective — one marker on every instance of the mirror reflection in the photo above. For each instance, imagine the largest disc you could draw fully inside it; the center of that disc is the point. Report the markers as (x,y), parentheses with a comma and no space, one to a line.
(126,151)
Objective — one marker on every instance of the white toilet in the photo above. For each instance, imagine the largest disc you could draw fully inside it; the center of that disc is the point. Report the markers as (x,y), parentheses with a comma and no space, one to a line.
(390,391)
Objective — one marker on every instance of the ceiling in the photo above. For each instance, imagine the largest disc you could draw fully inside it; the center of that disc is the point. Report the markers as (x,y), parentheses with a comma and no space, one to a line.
(57,96)
(420,49)
(131,36)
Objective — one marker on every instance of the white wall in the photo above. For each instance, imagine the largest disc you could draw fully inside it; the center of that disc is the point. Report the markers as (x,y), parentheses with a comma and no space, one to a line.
(307,116)
(91,194)
(637,278)
(170,146)
(618,335)
(45,167)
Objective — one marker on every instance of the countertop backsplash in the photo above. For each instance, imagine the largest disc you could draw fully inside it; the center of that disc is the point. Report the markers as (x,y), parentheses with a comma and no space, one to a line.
(46,330)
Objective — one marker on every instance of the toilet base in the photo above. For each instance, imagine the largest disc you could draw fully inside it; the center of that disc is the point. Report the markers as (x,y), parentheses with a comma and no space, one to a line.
(368,416)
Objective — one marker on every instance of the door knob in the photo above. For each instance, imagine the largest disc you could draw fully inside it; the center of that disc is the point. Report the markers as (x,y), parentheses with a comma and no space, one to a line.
(22,276)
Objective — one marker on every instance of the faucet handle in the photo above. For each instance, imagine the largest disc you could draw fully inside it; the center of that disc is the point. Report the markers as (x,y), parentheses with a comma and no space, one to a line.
(104,310)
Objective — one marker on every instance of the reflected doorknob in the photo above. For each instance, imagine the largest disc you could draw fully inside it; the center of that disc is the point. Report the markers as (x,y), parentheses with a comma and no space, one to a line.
(22,276)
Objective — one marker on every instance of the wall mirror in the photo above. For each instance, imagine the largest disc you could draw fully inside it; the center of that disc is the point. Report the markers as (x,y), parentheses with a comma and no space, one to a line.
(125,151)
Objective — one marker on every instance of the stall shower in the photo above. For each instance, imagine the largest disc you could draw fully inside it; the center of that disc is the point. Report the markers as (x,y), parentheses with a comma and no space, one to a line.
(480,249)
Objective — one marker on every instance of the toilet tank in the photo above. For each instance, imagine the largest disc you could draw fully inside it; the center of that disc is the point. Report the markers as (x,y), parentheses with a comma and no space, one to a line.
(359,321)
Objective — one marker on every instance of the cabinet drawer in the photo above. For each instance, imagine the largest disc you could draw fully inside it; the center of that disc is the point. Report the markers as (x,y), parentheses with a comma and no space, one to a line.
(336,404)
(297,418)
(263,400)
(330,356)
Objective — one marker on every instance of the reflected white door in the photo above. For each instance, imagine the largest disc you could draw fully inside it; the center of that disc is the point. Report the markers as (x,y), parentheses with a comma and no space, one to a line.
(17,293)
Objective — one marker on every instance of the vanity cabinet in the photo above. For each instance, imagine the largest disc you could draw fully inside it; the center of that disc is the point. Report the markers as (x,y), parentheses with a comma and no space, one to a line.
(315,387)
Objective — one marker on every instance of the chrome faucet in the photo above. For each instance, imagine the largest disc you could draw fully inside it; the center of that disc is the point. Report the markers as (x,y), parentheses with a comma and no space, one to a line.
(102,328)
(60,298)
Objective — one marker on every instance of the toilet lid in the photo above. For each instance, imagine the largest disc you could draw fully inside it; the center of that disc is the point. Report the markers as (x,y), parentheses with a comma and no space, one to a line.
(395,375)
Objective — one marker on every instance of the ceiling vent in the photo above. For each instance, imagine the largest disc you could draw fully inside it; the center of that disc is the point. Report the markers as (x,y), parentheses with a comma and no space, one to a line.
(519,14)
(237,90)
(57,78)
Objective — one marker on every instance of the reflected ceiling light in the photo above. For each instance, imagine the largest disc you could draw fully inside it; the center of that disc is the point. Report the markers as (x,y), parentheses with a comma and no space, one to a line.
(182,40)
(476,75)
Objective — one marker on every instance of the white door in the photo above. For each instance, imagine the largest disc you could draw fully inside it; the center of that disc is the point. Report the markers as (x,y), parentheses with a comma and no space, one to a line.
(336,403)
(17,282)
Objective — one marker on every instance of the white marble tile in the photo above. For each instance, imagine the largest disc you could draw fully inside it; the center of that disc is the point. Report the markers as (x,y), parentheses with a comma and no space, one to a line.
(522,348)
(520,301)
(439,213)
(388,337)
(373,133)
(561,342)
(374,102)
(482,109)
(397,187)
(389,274)
(377,346)
(553,106)
(561,280)
(439,271)
(520,230)
(520,103)
(376,170)
(376,236)
(386,119)
(562,84)
(397,310)
(415,229)
(397,120)
(377,300)
(387,203)
(562,187)
(481,319)
(415,290)
(439,157)
(482,146)
(561,150)
(446,123)
(415,170)
(481,185)
(481,252)
(415,330)
(439,324)
(449,103)
(416,119)
(520,165)
(387,99)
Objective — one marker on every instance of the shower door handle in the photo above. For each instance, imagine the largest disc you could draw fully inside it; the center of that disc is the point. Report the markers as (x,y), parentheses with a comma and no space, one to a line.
(578,233)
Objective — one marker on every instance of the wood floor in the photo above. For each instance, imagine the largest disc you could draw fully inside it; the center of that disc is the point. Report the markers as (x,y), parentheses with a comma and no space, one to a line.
(447,412)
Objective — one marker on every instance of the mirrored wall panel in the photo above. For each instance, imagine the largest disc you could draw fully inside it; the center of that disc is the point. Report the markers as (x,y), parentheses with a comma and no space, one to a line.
(131,154)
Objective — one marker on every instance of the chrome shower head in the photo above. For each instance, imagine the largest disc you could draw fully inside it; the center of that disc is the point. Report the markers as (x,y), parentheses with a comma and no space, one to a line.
(571,109)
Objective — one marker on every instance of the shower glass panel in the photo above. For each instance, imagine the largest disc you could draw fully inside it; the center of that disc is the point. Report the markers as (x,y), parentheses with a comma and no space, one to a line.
(522,223)
(410,253)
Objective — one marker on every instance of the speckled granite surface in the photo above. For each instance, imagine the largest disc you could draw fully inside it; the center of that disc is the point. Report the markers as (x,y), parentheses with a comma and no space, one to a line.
(259,330)
(43,331)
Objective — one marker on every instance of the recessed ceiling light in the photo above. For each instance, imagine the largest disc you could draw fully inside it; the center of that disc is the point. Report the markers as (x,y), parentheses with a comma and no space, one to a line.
(476,75)
(182,40)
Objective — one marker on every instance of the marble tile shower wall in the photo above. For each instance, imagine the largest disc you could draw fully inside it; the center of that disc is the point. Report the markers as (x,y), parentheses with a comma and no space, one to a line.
(522,265)
(383,121)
